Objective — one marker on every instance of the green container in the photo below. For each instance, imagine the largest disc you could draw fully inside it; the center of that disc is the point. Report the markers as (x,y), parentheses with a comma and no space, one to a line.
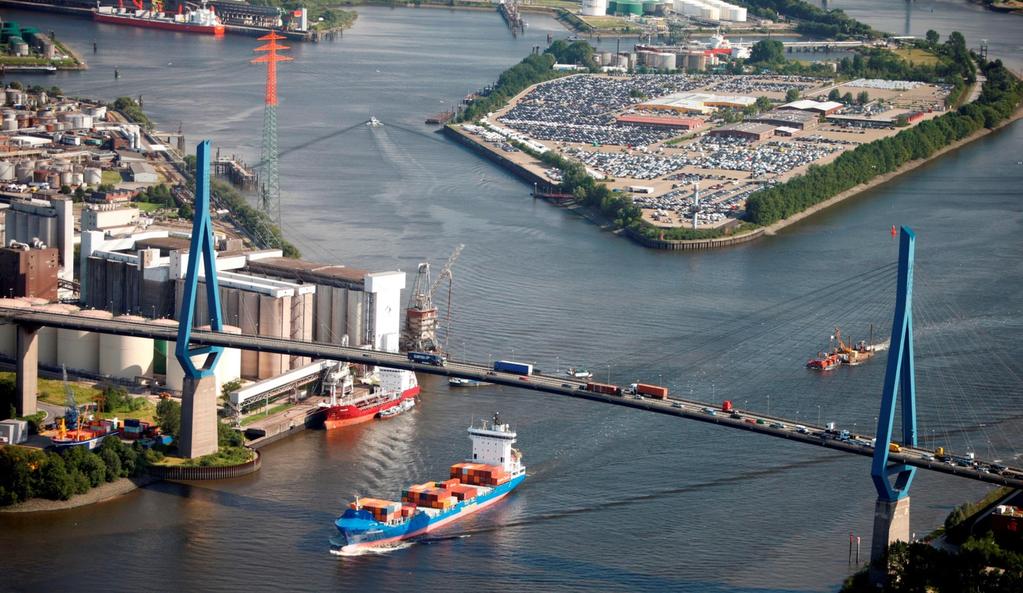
(649,7)
(629,7)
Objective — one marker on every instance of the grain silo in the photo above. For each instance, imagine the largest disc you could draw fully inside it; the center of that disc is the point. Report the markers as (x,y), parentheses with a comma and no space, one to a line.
(9,331)
(78,349)
(126,357)
(48,336)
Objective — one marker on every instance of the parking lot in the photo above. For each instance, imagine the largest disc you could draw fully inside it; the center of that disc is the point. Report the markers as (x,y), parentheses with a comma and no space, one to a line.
(576,117)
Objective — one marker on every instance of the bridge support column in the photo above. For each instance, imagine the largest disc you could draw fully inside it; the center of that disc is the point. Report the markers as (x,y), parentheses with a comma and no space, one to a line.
(198,417)
(891,524)
(27,369)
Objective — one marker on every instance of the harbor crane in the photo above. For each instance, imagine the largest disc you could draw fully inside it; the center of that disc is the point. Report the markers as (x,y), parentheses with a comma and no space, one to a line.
(420,333)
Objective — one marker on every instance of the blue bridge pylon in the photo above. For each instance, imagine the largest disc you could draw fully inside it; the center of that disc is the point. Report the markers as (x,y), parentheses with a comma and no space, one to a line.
(899,378)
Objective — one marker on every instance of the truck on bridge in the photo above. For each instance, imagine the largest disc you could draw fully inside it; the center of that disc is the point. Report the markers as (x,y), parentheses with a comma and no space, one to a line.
(436,360)
(510,366)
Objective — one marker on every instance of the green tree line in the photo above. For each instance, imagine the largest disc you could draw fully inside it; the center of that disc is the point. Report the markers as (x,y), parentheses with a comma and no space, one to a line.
(811,20)
(131,110)
(1000,96)
(32,473)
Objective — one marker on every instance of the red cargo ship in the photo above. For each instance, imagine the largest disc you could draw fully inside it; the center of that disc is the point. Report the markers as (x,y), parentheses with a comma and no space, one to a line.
(395,387)
(200,20)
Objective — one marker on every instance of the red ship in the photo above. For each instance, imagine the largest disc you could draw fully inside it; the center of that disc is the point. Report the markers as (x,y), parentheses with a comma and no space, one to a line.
(395,387)
(201,20)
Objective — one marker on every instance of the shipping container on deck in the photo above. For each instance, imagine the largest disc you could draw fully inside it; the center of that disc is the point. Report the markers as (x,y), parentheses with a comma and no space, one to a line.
(652,390)
(604,388)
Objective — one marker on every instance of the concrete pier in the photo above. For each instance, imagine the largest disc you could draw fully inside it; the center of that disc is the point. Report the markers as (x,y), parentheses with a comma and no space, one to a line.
(891,524)
(27,369)
(198,417)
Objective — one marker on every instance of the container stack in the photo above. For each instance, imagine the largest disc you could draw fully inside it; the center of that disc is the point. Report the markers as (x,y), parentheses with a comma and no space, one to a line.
(432,495)
(383,511)
(133,429)
(479,474)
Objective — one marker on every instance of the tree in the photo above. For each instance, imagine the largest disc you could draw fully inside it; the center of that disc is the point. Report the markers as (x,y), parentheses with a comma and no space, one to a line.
(932,37)
(168,416)
(834,95)
(791,95)
(847,98)
(767,51)
(863,98)
(55,480)
(228,437)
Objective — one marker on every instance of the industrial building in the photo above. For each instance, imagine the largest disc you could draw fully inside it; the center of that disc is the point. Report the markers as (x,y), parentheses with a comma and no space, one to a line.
(710,10)
(746,130)
(142,172)
(819,107)
(680,123)
(261,293)
(28,272)
(697,102)
(48,221)
(788,118)
(109,218)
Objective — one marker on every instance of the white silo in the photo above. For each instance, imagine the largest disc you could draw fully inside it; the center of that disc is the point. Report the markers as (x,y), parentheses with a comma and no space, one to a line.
(9,331)
(6,171)
(77,349)
(229,367)
(23,170)
(93,175)
(594,7)
(174,375)
(126,357)
(48,336)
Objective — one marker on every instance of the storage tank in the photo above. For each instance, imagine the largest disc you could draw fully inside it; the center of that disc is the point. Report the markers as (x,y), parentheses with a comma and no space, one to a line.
(649,6)
(126,357)
(630,7)
(9,331)
(664,61)
(594,7)
(229,367)
(48,336)
(66,177)
(174,375)
(77,349)
(6,171)
(93,175)
(23,170)
(77,178)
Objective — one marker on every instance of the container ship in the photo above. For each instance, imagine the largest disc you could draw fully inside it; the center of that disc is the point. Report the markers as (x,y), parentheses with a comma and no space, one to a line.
(396,386)
(495,470)
(200,20)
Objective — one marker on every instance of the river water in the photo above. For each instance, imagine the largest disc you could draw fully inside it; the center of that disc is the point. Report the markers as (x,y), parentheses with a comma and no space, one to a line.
(616,500)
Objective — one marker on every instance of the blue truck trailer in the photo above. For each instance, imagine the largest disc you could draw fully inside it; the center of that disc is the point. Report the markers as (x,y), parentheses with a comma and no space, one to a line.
(509,366)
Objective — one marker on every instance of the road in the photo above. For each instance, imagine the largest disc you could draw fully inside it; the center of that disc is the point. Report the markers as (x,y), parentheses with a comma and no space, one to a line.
(983,471)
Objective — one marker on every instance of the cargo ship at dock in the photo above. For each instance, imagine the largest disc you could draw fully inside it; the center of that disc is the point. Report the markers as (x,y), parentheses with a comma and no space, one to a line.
(495,470)
(396,386)
(200,20)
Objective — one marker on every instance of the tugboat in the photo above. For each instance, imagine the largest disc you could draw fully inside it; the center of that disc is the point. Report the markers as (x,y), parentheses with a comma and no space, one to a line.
(404,406)
(495,470)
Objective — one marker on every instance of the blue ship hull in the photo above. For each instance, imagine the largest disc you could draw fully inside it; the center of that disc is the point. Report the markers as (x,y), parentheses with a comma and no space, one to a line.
(359,529)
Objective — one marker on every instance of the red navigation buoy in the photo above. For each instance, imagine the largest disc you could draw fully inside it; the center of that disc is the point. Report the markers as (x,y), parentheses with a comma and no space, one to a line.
(894,232)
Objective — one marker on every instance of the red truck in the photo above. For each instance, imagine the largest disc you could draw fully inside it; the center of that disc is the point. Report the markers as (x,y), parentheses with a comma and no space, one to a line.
(604,388)
(655,391)
(726,406)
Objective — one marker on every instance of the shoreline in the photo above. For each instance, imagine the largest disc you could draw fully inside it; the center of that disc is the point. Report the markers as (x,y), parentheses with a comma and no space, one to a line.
(773,229)
(528,176)
(102,493)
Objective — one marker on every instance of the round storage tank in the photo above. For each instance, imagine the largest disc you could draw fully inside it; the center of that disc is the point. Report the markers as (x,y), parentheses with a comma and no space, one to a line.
(93,175)
(649,7)
(174,375)
(48,336)
(6,171)
(23,170)
(594,7)
(229,367)
(9,331)
(126,357)
(77,349)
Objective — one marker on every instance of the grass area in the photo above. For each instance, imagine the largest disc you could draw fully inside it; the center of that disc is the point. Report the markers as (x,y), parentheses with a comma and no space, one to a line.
(917,56)
(680,140)
(35,61)
(111,177)
(148,207)
(51,391)
(146,413)
(260,415)
(226,456)
(609,23)
(566,4)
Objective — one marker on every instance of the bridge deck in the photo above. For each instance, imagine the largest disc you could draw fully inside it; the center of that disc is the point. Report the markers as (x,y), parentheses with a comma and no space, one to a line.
(690,409)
